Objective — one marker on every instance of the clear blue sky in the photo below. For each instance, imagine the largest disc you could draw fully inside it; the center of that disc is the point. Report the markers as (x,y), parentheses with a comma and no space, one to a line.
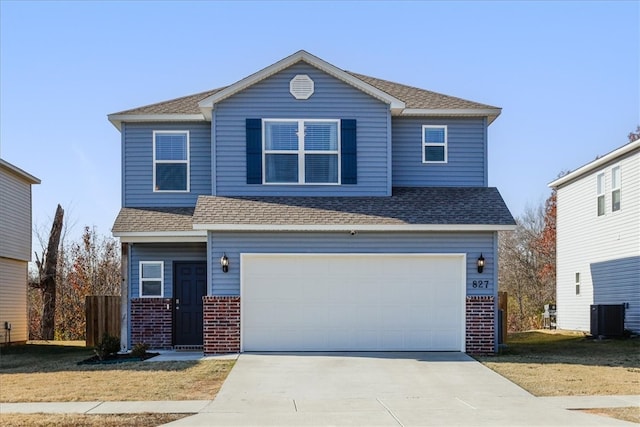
(565,73)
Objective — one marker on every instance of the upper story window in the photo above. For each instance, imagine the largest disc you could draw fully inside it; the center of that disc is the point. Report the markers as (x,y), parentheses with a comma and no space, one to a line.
(151,278)
(171,161)
(434,144)
(600,194)
(301,151)
(615,189)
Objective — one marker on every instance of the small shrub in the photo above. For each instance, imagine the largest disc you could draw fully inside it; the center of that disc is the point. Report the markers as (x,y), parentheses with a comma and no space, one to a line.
(107,346)
(139,350)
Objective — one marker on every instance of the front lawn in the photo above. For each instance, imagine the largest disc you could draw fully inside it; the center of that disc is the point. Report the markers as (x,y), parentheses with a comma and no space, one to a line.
(568,364)
(49,373)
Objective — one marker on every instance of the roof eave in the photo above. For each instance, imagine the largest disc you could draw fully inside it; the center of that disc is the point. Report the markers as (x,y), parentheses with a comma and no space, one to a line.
(619,152)
(358,227)
(208,104)
(21,173)
(118,119)
(490,113)
(160,236)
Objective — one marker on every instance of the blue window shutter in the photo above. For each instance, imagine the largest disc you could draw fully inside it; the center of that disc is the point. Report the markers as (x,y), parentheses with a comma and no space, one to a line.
(254,151)
(349,151)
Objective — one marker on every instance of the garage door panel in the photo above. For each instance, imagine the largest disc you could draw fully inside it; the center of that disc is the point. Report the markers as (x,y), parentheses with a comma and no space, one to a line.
(352,302)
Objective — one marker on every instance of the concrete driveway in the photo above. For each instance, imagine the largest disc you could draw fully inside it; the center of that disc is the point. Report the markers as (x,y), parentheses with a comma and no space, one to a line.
(376,389)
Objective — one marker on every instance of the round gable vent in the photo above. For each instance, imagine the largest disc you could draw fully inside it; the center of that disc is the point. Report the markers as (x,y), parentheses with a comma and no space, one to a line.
(301,86)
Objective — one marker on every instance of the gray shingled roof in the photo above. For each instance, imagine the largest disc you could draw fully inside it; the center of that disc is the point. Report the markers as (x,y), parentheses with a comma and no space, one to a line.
(153,220)
(407,206)
(412,97)
(183,105)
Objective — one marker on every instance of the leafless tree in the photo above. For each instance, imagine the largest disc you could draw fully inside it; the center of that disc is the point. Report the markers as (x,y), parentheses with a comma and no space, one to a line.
(47,265)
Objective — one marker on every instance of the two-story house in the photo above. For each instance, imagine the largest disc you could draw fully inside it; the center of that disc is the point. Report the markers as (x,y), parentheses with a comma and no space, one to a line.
(15,251)
(598,239)
(307,208)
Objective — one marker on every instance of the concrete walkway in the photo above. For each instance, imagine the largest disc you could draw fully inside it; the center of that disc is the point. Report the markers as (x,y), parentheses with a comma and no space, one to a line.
(383,389)
(196,406)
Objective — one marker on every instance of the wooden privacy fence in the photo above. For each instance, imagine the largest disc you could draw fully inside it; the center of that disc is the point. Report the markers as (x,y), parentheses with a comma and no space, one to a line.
(103,315)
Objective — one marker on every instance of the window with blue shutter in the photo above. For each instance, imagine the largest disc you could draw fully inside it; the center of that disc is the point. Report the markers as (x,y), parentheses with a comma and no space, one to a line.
(171,161)
(301,151)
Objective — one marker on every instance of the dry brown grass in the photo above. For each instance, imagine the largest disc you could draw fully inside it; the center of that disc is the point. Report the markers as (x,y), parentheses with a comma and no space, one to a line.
(43,373)
(78,420)
(567,364)
(627,414)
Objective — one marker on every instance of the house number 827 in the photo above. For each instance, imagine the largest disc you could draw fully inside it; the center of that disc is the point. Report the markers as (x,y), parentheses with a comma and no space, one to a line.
(482,284)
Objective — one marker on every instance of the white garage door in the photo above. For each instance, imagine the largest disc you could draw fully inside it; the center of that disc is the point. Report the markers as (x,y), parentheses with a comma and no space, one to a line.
(331,302)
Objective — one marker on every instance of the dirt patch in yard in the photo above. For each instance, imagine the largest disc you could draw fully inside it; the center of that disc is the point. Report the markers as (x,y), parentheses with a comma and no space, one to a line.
(569,364)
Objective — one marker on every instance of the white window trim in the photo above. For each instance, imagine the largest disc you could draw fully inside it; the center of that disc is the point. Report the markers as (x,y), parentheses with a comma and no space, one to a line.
(601,192)
(445,144)
(140,279)
(187,161)
(617,187)
(301,152)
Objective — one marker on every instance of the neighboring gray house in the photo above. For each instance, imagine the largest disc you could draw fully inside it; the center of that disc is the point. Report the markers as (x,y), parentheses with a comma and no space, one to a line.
(598,238)
(309,208)
(15,251)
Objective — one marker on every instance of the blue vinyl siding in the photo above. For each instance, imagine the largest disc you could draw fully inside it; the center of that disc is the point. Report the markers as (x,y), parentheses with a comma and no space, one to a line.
(233,244)
(167,252)
(137,173)
(332,99)
(466,146)
(616,282)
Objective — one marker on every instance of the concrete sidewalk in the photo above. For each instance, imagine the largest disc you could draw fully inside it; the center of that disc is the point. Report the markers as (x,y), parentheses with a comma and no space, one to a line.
(196,406)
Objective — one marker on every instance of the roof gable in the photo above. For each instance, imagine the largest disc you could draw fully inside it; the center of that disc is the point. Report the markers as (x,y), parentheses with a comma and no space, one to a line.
(207,104)
(403,100)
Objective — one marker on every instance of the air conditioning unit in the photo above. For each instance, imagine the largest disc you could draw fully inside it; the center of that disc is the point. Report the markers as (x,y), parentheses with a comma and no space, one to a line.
(607,320)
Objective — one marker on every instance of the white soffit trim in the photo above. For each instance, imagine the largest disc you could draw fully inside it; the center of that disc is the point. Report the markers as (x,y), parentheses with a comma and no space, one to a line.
(596,163)
(343,227)
(117,119)
(492,113)
(207,104)
(161,236)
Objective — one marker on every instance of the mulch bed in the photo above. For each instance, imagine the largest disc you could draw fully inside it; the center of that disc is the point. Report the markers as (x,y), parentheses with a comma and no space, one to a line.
(117,358)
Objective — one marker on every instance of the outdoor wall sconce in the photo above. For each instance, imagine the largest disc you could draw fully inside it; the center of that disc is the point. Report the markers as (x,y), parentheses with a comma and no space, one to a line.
(480,263)
(224,263)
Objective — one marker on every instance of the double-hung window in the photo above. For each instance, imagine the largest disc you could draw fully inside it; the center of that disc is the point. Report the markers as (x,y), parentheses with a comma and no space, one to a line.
(171,161)
(600,195)
(615,189)
(151,278)
(301,151)
(434,144)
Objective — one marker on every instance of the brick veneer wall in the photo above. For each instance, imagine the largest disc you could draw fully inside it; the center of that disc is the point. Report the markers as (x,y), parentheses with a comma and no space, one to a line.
(151,322)
(221,324)
(481,325)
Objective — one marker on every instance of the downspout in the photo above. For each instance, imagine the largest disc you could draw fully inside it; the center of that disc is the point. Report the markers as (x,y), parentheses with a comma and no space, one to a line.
(495,294)
(124,296)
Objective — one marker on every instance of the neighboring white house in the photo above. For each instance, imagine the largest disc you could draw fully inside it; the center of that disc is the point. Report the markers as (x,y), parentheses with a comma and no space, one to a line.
(15,251)
(598,238)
